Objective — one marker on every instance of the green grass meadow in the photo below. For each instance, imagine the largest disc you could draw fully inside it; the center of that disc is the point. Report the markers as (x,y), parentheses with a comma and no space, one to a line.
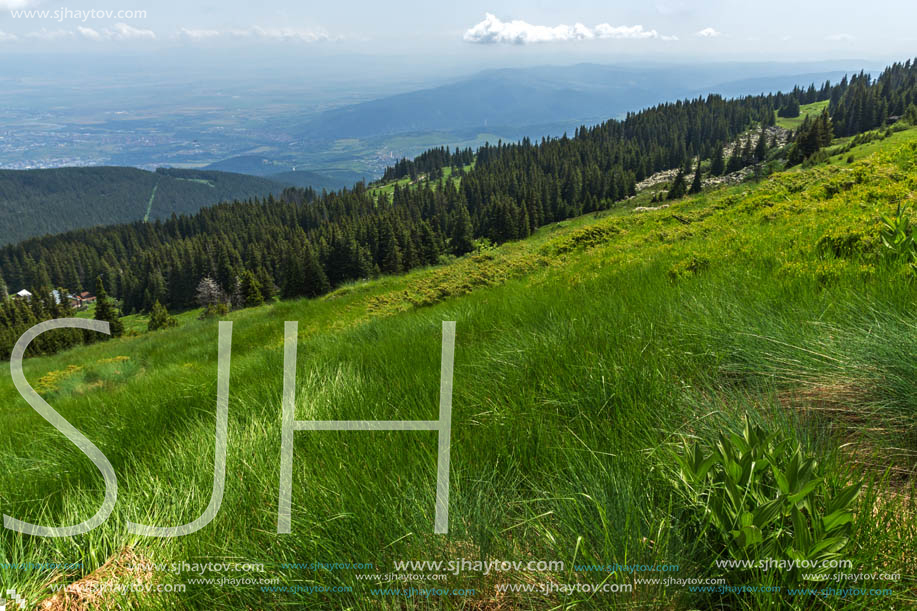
(815,108)
(585,357)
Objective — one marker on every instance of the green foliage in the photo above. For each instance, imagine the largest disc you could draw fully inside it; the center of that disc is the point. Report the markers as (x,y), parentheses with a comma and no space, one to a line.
(910,115)
(215,310)
(718,165)
(810,139)
(249,291)
(688,267)
(64,199)
(583,238)
(767,499)
(697,184)
(898,236)
(790,109)
(160,318)
(107,311)
(679,187)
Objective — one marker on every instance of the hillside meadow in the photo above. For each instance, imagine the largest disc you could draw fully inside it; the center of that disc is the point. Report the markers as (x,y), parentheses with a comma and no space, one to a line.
(590,359)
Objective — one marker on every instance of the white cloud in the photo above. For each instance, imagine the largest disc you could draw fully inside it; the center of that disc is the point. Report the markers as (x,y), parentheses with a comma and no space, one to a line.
(122,31)
(12,5)
(45,34)
(6,37)
(708,33)
(119,31)
(603,30)
(839,37)
(289,34)
(198,34)
(89,33)
(495,31)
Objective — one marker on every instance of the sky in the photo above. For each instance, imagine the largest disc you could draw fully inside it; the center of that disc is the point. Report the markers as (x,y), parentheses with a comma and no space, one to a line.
(479,32)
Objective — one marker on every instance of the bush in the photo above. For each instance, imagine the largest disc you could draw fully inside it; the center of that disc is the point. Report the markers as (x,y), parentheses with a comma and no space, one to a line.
(765,499)
(160,318)
(898,237)
(582,239)
(215,310)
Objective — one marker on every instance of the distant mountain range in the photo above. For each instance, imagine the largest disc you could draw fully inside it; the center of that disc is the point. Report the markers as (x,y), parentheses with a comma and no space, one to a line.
(508,104)
(509,99)
(38,202)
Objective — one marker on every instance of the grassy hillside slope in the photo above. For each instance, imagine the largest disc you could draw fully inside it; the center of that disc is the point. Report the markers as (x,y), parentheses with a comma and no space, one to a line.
(584,356)
(806,110)
(37,202)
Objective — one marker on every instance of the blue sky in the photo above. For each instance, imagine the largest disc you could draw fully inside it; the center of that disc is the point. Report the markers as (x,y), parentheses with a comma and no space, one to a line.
(477,31)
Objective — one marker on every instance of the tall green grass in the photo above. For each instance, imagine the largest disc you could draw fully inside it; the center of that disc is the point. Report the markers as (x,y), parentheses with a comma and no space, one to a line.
(581,363)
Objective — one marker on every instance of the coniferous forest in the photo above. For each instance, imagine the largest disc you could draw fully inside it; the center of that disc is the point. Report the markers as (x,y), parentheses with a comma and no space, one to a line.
(302,243)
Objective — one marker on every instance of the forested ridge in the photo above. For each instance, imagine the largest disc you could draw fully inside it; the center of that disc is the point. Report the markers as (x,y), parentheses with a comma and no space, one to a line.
(303,244)
(39,202)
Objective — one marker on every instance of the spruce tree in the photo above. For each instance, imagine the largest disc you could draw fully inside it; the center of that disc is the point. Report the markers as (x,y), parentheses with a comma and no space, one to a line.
(106,310)
(735,160)
(697,185)
(462,232)
(160,318)
(679,187)
(389,253)
(718,165)
(314,280)
(250,295)
(294,282)
(910,115)
(268,288)
(761,147)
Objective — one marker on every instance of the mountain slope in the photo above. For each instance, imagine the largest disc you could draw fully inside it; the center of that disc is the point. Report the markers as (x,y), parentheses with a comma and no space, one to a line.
(584,355)
(37,202)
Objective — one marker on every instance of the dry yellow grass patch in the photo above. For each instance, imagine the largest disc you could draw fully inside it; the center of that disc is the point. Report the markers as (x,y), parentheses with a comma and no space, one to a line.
(93,591)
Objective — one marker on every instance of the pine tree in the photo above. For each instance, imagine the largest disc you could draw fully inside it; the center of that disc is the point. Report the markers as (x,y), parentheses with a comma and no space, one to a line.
(160,318)
(761,147)
(790,109)
(390,252)
(735,160)
(718,165)
(249,291)
(106,310)
(910,115)
(268,288)
(679,187)
(294,281)
(314,280)
(697,185)
(462,232)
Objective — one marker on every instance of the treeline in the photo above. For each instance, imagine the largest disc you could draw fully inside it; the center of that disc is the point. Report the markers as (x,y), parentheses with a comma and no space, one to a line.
(788,105)
(18,315)
(304,244)
(866,104)
(812,136)
(428,162)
